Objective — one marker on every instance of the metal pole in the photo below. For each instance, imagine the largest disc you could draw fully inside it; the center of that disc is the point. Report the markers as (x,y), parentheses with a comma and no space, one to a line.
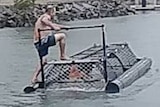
(144,2)
(78,27)
(41,61)
(104,55)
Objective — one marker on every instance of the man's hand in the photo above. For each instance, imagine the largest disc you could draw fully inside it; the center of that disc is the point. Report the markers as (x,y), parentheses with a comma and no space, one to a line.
(56,28)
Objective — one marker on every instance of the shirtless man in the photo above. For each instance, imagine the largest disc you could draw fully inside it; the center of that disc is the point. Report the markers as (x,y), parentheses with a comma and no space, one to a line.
(48,38)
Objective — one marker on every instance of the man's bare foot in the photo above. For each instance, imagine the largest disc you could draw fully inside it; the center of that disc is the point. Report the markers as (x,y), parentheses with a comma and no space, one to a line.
(34,81)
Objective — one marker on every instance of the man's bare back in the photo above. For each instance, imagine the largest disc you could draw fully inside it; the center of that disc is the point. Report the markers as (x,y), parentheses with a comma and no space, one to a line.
(41,25)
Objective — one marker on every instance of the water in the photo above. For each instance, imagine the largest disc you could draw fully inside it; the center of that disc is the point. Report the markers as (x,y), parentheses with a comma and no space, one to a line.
(18,60)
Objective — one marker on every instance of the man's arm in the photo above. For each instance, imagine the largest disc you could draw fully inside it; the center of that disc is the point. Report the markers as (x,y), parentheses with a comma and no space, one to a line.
(46,21)
(61,26)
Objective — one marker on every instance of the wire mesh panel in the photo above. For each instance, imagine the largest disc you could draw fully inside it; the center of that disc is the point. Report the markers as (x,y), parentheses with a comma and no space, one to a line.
(87,69)
(120,51)
(83,74)
(124,53)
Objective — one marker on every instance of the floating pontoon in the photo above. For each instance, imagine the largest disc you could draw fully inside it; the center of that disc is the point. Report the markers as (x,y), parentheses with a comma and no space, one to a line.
(123,68)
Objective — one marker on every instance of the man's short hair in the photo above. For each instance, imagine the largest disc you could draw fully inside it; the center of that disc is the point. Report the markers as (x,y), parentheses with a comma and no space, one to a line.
(49,7)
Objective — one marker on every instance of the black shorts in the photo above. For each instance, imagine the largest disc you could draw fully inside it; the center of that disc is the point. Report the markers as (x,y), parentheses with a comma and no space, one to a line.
(45,44)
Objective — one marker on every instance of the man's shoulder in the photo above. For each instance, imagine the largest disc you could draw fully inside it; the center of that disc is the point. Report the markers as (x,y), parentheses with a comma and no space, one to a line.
(45,15)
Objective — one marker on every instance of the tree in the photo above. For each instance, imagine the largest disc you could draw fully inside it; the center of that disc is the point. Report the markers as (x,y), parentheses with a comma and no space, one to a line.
(23,4)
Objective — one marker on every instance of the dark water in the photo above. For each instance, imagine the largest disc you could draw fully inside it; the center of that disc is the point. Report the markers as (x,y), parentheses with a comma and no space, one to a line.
(18,59)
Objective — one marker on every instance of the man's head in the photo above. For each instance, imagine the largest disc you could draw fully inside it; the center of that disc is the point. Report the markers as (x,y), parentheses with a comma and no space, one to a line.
(50,10)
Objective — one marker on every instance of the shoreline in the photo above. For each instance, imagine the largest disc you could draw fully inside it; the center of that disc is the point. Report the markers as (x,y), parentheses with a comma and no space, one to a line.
(21,15)
(11,2)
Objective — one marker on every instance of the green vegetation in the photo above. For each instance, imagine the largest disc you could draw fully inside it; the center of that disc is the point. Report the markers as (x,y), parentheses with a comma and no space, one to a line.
(23,4)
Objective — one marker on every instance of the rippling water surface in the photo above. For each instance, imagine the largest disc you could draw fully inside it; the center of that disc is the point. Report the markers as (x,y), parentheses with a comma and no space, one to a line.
(18,59)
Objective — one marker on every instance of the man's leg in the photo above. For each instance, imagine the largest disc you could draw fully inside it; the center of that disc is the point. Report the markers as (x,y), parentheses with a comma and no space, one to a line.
(38,70)
(61,37)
